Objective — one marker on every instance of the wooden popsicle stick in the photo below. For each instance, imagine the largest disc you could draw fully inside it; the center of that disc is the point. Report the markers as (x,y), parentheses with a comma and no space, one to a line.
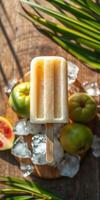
(49,143)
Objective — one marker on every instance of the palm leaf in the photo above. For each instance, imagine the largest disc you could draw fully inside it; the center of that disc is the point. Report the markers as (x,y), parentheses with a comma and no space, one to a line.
(81,3)
(20,186)
(18,198)
(24,197)
(57,15)
(64,31)
(77,36)
(88,56)
(89,6)
(92,23)
(12,190)
(95,8)
(81,15)
(72,9)
(81,53)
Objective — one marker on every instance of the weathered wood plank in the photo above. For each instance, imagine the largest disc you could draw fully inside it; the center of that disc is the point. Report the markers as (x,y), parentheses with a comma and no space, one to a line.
(19,43)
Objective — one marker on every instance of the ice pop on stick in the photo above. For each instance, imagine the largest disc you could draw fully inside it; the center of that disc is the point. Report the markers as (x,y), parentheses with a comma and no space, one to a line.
(48,93)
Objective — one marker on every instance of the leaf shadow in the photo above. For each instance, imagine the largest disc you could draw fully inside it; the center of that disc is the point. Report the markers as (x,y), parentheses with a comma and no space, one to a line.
(8,157)
(13,52)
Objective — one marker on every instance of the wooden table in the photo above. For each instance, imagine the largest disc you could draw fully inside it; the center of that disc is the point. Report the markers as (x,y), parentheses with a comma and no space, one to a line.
(19,43)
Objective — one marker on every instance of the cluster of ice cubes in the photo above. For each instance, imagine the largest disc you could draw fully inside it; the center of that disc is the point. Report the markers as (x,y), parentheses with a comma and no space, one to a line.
(68,165)
(39,150)
(37,154)
(91,88)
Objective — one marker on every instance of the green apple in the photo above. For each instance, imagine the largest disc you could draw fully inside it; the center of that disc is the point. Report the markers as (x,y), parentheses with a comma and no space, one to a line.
(76,138)
(19,99)
(82,107)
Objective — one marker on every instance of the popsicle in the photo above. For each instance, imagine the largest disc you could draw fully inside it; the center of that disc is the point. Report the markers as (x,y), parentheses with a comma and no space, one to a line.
(48,94)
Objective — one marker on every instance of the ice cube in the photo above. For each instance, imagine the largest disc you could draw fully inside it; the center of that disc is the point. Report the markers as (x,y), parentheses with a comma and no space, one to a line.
(56,129)
(20,149)
(92,88)
(33,128)
(10,86)
(24,127)
(58,151)
(39,149)
(27,169)
(72,72)
(96,146)
(96,153)
(39,159)
(19,128)
(69,166)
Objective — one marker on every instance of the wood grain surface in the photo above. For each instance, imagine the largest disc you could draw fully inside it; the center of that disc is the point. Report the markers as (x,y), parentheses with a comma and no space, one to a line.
(19,43)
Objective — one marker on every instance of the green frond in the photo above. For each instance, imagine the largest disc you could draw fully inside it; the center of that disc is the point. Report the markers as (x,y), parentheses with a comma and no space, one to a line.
(78,34)
(24,189)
